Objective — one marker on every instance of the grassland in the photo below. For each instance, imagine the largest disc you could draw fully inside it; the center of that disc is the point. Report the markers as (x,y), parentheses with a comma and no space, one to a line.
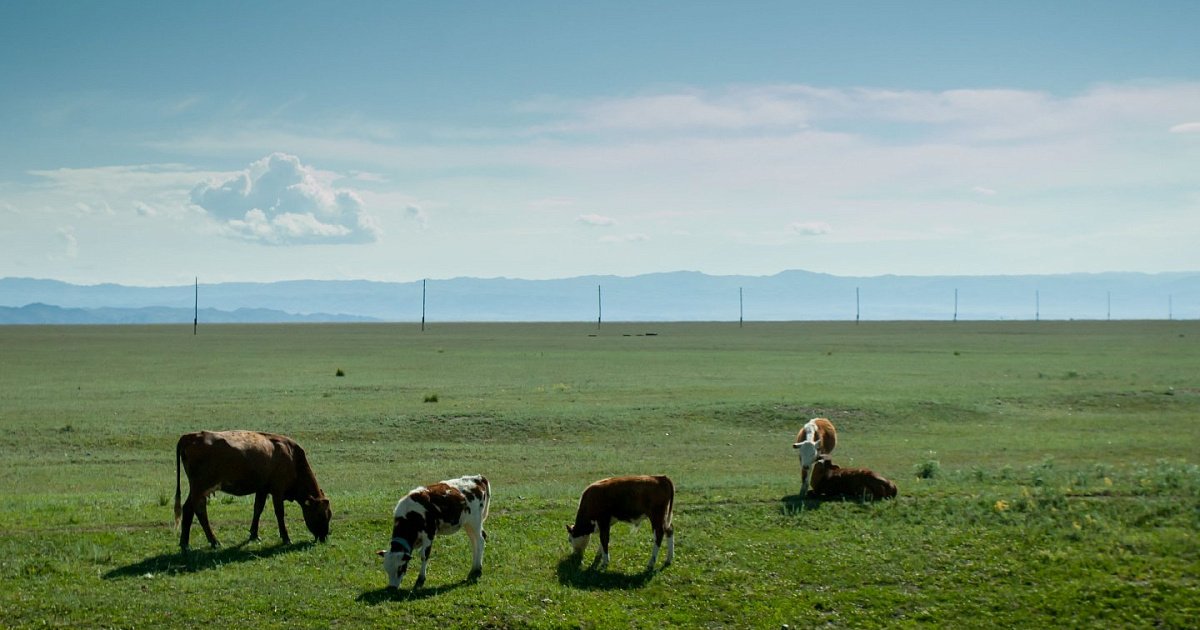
(1048,472)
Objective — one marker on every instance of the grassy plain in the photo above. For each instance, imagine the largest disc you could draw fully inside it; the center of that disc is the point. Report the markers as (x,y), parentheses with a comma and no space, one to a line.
(1048,472)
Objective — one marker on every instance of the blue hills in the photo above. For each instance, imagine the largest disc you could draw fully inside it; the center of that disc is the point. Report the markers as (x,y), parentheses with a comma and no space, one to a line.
(673,296)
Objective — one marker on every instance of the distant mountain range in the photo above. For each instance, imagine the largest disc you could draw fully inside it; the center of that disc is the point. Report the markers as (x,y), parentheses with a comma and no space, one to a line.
(676,296)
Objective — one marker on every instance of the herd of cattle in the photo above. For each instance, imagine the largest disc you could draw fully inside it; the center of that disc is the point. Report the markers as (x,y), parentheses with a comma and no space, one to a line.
(268,464)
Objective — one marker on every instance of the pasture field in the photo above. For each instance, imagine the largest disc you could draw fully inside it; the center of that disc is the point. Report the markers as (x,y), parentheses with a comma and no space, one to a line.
(1048,472)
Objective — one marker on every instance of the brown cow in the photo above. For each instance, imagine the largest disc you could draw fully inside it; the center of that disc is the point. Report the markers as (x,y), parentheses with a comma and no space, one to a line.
(816,437)
(247,462)
(830,480)
(626,499)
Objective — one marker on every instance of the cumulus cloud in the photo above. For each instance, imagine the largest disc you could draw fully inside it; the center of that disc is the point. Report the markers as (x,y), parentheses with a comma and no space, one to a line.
(418,214)
(596,220)
(279,201)
(814,228)
(1191,127)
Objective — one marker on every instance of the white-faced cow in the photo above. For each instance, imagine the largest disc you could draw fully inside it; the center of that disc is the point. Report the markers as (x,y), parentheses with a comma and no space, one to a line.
(831,481)
(247,462)
(626,499)
(440,508)
(817,437)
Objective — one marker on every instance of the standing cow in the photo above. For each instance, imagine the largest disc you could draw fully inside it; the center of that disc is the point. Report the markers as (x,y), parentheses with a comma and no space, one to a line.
(247,462)
(440,508)
(626,499)
(816,437)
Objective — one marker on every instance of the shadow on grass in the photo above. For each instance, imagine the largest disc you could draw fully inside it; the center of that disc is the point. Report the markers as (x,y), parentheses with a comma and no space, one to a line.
(794,504)
(176,563)
(572,573)
(385,594)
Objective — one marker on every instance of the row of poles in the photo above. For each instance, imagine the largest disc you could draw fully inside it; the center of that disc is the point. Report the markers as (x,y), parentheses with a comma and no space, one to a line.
(1037,297)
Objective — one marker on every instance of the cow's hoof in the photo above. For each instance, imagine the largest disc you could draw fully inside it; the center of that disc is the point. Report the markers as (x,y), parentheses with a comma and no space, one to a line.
(475,574)
(419,583)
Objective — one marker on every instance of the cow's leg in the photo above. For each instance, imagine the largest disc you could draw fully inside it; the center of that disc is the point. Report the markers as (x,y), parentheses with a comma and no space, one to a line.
(478,539)
(185,529)
(260,502)
(424,563)
(658,538)
(603,525)
(277,500)
(201,504)
(670,530)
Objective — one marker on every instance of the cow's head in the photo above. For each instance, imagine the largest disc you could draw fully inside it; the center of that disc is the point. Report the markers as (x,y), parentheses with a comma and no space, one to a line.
(808,455)
(395,560)
(821,468)
(578,536)
(317,516)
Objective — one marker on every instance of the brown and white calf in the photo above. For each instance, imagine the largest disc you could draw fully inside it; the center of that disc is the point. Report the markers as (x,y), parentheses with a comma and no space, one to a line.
(626,499)
(817,437)
(830,480)
(247,462)
(440,508)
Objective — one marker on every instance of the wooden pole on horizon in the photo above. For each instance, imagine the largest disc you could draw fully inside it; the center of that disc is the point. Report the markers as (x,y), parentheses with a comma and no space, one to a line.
(196,308)
(599,307)
(857,306)
(741,308)
(423,304)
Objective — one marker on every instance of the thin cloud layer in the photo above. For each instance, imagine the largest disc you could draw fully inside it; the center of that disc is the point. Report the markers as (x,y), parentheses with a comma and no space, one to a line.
(279,201)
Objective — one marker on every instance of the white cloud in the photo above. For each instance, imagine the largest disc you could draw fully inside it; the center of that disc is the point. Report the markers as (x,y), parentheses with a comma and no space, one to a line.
(596,220)
(279,201)
(983,190)
(418,214)
(814,228)
(1191,127)
(625,238)
(145,210)
(66,236)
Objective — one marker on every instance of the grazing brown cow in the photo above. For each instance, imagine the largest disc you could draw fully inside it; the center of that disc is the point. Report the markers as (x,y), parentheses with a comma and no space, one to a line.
(626,499)
(830,480)
(247,462)
(816,437)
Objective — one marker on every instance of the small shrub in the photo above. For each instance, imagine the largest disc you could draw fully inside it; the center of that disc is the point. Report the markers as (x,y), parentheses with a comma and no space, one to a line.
(928,469)
(431,398)
(340,372)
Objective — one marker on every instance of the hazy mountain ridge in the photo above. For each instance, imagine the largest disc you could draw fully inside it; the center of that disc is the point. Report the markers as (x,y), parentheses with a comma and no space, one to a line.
(682,296)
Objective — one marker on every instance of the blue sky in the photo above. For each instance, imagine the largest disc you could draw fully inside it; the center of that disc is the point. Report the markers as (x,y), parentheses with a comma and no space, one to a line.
(148,142)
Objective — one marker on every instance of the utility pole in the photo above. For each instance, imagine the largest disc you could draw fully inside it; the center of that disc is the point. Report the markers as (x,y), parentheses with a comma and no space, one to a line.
(857,306)
(599,307)
(196,308)
(741,308)
(423,304)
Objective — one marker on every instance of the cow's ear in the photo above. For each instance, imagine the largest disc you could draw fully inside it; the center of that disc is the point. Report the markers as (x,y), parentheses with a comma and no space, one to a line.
(381,553)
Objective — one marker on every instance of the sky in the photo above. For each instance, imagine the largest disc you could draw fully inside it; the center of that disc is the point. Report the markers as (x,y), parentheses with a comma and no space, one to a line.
(149,143)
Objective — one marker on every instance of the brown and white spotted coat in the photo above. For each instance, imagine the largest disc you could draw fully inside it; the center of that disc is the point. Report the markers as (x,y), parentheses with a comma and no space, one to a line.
(817,437)
(440,508)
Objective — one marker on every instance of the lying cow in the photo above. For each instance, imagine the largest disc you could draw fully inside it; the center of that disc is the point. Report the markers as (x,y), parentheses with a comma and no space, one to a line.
(247,462)
(440,508)
(830,480)
(817,437)
(626,499)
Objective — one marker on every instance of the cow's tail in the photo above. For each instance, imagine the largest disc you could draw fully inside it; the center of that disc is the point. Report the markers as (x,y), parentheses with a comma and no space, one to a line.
(665,480)
(178,456)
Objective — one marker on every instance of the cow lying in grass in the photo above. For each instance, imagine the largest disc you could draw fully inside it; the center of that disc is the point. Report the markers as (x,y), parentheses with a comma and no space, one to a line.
(817,437)
(440,508)
(626,499)
(247,462)
(831,481)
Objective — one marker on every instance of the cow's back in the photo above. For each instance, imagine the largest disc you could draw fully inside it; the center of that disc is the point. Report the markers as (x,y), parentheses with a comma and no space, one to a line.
(238,462)
(627,498)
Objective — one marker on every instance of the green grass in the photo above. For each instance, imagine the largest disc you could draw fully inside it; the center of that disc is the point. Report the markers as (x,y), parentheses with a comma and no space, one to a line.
(1048,472)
